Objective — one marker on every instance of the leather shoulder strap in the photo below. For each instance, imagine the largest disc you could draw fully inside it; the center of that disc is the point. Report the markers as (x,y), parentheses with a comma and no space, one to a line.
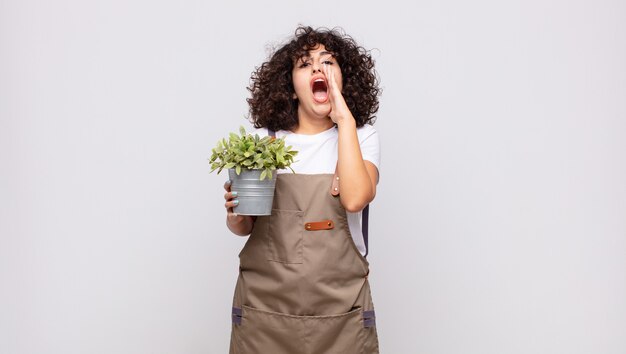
(364,227)
(334,187)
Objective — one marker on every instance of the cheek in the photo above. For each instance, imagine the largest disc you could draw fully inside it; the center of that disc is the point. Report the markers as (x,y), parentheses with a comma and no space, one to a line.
(300,85)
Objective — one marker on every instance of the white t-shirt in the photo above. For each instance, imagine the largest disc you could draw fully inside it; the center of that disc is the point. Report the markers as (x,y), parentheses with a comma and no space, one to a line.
(318,154)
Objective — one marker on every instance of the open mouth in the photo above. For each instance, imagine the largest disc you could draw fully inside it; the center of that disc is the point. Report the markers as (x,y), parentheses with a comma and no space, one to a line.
(320,90)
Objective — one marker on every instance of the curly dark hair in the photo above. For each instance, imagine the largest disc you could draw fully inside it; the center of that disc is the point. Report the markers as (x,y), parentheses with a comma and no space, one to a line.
(272,104)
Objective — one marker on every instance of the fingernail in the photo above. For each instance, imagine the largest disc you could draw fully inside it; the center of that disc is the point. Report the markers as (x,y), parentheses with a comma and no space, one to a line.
(236,202)
(228,181)
(234,194)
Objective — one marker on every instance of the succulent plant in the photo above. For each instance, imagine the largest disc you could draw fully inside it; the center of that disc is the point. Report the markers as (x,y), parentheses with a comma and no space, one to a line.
(245,151)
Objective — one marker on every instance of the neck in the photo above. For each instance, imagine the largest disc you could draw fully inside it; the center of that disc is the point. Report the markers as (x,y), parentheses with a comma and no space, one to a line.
(313,126)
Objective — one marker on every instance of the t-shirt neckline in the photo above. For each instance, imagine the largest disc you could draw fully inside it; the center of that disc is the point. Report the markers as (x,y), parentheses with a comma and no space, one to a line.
(313,136)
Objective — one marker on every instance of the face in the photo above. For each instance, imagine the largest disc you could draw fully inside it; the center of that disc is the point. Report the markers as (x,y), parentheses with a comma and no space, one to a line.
(311,85)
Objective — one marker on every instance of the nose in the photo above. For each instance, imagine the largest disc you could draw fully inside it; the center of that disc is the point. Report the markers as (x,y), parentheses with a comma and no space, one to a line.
(316,70)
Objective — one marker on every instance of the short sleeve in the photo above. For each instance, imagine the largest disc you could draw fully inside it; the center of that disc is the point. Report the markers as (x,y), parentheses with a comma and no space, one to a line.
(370,145)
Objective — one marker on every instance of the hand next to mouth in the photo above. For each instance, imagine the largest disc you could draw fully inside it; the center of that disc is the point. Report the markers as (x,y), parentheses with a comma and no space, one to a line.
(339,111)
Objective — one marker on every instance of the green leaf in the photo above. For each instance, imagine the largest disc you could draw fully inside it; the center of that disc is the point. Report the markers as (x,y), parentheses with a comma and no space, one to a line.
(238,170)
(234,137)
(263,174)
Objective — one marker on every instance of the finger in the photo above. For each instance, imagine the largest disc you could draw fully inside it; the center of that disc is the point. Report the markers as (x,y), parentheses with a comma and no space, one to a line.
(230,212)
(330,74)
(328,78)
(329,83)
(232,215)
(332,77)
(333,82)
(230,195)
(231,204)
(227,185)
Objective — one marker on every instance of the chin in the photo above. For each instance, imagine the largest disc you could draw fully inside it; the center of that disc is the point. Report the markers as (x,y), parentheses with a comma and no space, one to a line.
(324,116)
(323,110)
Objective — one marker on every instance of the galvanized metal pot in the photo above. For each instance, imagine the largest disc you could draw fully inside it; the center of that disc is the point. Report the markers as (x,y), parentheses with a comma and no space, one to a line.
(255,196)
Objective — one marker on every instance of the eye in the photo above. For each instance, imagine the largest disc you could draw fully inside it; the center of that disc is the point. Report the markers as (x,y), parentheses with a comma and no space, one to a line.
(327,62)
(304,64)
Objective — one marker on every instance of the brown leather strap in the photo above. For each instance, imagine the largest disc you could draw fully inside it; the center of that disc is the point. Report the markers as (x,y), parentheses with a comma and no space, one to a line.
(364,228)
(319,225)
(334,188)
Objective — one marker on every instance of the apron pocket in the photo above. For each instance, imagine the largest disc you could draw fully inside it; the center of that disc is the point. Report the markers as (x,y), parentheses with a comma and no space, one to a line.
(263,332)
(284,236)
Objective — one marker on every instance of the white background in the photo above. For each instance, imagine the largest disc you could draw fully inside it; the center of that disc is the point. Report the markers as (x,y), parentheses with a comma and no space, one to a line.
(500,221)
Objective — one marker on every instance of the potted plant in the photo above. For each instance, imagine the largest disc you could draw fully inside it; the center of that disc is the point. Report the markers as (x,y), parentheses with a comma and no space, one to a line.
(250,161)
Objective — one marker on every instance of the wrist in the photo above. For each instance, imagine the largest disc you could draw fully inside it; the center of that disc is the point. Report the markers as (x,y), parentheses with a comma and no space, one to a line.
(345,121)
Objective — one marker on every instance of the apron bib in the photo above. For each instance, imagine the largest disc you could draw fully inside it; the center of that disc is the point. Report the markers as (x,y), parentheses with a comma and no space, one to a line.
(302,286)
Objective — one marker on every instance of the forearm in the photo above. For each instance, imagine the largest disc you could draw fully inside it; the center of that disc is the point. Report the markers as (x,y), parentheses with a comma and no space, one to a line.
(240,225)
(355,183)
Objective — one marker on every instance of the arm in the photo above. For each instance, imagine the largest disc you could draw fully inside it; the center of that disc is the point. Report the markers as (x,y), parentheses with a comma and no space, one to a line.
(357,178)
